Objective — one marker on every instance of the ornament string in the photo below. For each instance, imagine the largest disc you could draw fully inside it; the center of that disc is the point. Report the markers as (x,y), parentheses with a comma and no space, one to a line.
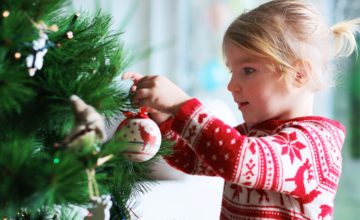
(92,184)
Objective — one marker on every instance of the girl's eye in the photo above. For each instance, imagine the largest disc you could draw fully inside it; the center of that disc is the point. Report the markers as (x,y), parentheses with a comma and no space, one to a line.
(248,70)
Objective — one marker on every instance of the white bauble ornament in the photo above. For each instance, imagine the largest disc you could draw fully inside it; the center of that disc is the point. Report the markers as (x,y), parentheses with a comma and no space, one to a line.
(100,209)
(35,61)
(142,136)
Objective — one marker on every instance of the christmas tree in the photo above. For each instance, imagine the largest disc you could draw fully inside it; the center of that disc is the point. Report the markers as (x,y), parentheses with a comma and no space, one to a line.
(55,153)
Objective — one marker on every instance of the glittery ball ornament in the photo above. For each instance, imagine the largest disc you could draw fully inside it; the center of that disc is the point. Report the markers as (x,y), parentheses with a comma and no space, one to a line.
(141,134)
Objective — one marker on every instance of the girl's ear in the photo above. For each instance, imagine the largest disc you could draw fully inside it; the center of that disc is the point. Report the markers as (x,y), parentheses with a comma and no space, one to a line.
(303,72)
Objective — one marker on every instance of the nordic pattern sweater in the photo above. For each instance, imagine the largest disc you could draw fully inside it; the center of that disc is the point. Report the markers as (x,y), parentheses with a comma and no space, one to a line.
(278,169)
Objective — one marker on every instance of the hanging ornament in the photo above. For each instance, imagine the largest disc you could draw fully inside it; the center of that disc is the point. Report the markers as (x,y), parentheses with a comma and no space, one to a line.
(35,60)
(141,134)
(100,209)
(89,128)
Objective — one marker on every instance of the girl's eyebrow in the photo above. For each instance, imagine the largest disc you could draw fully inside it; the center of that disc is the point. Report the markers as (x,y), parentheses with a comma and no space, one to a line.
(243,60)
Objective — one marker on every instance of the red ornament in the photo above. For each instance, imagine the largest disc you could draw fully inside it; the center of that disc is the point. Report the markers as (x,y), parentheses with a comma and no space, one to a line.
(142,135)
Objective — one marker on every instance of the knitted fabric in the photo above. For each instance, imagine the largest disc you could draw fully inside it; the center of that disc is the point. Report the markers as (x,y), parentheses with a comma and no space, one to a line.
(278,169)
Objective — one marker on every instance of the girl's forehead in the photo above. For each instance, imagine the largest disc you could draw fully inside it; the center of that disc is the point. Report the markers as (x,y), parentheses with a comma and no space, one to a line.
(234,51)
(242,58)
(236,55)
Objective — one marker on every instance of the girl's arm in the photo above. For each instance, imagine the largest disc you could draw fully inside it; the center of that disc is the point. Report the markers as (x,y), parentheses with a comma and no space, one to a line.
(183,157)
(297,160)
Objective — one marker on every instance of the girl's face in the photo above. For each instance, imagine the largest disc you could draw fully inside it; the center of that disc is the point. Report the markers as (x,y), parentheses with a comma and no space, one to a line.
(259,91)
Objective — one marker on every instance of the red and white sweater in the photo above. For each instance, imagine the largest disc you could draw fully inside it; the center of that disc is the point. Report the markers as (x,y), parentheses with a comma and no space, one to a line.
(279,169)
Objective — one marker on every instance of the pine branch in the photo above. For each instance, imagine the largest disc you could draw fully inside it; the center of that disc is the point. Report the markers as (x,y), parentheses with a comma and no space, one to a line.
(83,57)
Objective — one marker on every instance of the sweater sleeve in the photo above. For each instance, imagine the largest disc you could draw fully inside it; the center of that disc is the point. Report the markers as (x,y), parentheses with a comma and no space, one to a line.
(295,160)
(183,157)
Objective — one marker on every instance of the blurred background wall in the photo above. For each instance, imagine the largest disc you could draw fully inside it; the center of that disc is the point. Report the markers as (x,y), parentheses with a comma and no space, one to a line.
(182,40)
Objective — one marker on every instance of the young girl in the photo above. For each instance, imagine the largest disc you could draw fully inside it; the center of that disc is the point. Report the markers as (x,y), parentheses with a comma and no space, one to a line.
(283,162)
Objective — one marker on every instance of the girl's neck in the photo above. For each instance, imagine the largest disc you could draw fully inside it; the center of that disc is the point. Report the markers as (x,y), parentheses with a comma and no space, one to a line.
(303,106)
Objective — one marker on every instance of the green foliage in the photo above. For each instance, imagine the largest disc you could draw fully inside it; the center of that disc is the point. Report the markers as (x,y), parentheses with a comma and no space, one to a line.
(354,103)
(35,112)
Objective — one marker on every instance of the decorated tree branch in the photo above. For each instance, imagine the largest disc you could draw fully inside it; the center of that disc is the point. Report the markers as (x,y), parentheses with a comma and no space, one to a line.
(59,90)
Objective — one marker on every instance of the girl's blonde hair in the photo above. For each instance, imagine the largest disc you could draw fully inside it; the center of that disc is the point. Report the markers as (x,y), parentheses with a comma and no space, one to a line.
(285,31)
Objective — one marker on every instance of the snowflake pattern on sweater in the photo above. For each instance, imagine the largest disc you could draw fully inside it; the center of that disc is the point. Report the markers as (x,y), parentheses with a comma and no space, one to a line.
(279,169)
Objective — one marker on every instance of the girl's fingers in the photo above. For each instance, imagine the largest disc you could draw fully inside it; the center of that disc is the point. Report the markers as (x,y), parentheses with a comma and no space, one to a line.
(145,103)
(152,110)
(146,82)
(142,93)
(133,88)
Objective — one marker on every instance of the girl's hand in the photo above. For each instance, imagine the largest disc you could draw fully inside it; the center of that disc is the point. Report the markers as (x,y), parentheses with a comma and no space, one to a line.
(155,115)
(159,93)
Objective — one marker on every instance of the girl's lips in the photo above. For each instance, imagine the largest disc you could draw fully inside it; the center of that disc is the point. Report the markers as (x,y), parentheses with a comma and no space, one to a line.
(243,104)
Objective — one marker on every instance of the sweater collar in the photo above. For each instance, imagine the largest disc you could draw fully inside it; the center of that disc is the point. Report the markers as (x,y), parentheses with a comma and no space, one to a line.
(272,124)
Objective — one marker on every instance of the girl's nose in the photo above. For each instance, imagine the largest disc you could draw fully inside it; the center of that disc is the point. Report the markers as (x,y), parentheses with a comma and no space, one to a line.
(233,86)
